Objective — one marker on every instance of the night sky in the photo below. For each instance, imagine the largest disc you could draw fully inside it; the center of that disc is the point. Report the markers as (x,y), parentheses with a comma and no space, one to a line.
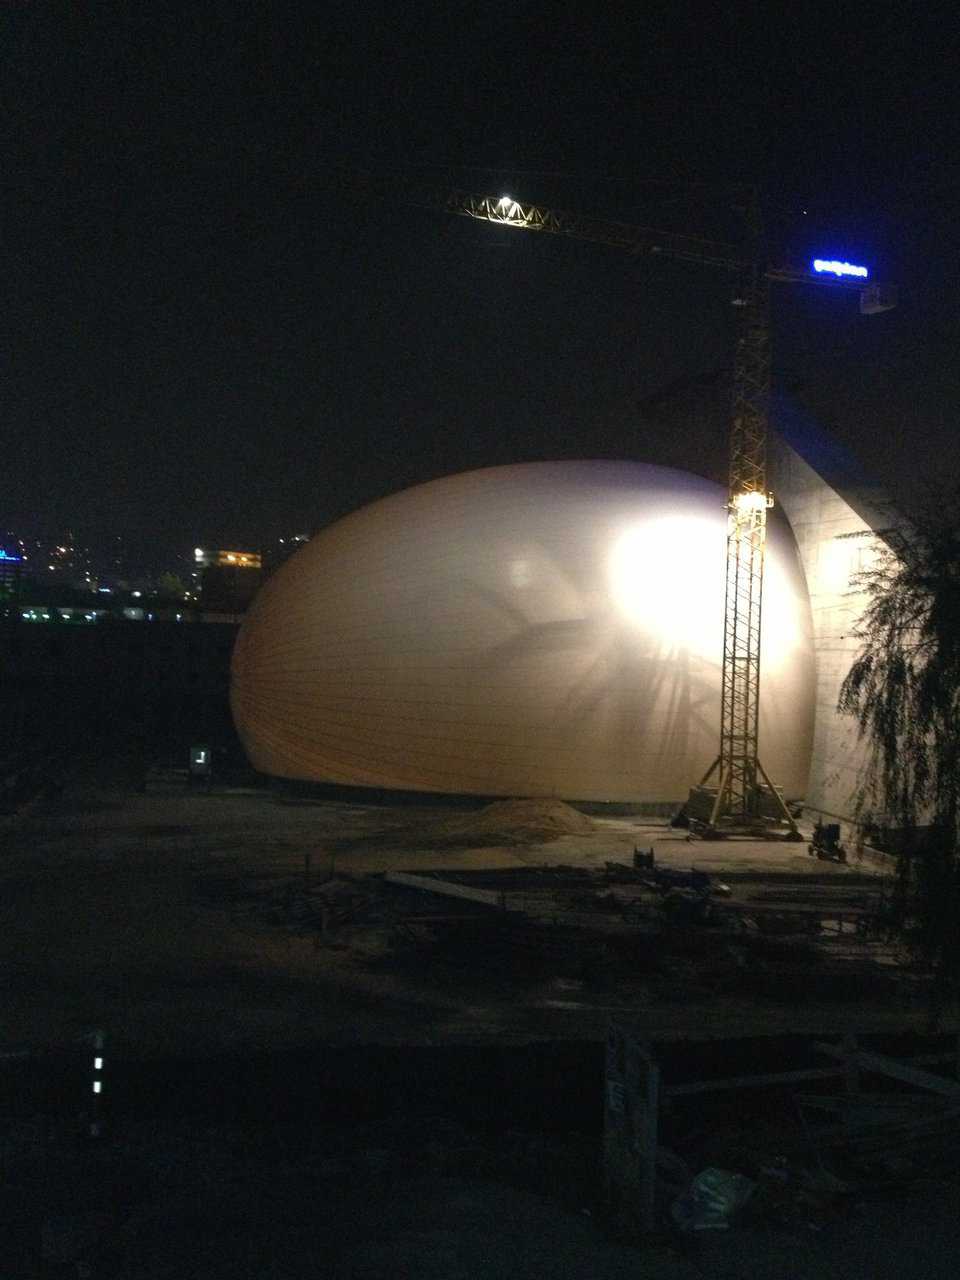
(209,340)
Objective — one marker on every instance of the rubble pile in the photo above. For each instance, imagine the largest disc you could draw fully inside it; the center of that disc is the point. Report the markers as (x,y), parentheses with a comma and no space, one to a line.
(506,822)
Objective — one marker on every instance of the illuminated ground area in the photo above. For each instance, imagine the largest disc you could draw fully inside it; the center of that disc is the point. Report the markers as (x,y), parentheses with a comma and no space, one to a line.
(176,921)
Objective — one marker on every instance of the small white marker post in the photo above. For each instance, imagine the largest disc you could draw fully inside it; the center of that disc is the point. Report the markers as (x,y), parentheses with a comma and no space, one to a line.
(96,1126)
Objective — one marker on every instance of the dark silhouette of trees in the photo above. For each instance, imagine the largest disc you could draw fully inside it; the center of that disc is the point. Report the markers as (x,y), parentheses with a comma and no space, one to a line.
(904,690)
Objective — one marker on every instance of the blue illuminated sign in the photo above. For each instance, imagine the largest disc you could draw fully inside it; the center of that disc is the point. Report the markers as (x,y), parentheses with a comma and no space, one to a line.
(830,266)
(5,555)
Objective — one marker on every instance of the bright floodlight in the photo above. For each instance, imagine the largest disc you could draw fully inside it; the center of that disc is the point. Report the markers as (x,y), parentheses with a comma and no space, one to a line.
(829,266)
(505,202)
(666,576)
(754,500)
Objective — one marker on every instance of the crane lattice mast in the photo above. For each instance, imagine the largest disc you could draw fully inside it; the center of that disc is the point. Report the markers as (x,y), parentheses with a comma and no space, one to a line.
(738,795)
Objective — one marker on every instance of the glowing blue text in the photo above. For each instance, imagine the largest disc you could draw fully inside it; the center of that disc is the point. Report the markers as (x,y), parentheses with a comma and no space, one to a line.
(834,268)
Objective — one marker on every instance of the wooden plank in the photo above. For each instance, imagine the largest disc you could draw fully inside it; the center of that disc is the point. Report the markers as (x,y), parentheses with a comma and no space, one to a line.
(630,1128)
(449,889)
(749,1082)
(890,1135)
(882,1065)
(931,1059)
(748,908)
(444,917)
(777,1077)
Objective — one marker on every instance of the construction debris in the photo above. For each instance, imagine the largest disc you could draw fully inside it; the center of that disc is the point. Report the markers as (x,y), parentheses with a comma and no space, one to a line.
(825,844)
(712,1201)
(774,1156)
(446,888)
(650,932)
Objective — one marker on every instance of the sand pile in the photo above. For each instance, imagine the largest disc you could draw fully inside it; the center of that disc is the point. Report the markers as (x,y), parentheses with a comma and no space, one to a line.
(508,822)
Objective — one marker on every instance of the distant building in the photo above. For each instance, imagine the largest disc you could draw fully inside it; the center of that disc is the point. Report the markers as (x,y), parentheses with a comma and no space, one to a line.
(278,552)
(206,559)
(229,579)
(11,565)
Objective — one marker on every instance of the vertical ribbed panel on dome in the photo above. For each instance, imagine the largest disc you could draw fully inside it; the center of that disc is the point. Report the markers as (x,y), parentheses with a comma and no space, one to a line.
(544,629)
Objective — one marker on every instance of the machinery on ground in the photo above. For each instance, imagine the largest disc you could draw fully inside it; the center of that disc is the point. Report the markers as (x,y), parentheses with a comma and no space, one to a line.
(825,844)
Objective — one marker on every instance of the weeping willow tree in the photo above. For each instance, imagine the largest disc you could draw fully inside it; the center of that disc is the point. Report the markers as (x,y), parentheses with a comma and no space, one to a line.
(904,690)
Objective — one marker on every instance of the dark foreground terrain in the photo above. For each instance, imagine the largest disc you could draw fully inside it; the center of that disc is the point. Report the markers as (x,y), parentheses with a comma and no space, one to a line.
(311,1072)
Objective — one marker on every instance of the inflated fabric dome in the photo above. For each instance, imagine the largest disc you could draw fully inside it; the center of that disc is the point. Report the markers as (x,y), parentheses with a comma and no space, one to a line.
(544,629)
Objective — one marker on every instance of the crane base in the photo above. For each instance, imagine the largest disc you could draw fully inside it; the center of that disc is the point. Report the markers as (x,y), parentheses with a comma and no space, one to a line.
(769,820)
(746,830)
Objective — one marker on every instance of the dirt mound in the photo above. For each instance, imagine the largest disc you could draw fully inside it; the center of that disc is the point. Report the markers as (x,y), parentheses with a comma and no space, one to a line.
(509,822)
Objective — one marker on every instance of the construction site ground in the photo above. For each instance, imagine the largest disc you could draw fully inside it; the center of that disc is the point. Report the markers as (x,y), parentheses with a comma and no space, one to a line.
(310,1070)
(185,921)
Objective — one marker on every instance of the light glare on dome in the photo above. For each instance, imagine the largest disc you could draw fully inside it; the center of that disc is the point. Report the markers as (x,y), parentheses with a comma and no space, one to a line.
(666,575)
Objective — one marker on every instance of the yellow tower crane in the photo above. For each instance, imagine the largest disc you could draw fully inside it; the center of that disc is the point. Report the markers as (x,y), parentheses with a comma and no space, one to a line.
(735,796)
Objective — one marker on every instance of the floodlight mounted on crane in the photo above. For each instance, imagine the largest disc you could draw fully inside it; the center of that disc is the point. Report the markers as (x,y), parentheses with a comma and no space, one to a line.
(743,800)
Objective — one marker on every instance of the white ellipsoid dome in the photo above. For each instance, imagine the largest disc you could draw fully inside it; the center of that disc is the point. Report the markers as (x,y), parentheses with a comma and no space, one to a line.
(544,629)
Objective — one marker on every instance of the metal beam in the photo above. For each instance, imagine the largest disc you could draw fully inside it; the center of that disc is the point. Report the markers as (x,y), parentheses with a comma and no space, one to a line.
(447,888)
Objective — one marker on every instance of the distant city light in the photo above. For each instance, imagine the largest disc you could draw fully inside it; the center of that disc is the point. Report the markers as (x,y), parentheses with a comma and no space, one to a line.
(830,266)
(5,555)
(136,594)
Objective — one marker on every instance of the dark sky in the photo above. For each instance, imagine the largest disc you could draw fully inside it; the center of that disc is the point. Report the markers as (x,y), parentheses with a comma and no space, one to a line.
(208,341)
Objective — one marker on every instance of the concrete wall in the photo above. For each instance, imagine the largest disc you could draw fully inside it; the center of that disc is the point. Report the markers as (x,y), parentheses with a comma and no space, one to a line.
(840,528)
(839,520)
